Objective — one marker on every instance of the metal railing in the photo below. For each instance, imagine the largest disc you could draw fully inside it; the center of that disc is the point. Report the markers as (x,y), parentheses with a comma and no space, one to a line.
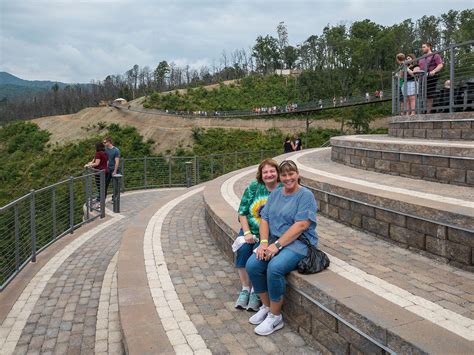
(450,90)
(158,172)
(34,221)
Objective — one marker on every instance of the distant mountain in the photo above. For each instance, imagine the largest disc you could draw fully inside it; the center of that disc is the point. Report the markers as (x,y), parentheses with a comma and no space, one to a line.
(13,87)
(7,78)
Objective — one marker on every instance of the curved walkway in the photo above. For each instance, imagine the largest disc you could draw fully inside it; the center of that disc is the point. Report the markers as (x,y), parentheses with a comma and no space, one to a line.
(63,307)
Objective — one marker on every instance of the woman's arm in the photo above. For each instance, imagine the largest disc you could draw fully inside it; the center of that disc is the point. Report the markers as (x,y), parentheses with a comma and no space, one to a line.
(264,234)
(288,237)
(95,163)
(249,237)
(92,164)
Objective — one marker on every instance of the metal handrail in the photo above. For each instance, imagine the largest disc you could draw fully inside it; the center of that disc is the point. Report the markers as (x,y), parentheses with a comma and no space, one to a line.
(30,223)
(458,97)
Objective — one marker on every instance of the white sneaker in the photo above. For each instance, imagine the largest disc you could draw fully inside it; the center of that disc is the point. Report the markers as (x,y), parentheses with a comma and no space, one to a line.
(260,316)
(271,324)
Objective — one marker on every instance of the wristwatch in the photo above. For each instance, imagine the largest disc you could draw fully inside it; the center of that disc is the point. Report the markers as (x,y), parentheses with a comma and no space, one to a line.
(278,245)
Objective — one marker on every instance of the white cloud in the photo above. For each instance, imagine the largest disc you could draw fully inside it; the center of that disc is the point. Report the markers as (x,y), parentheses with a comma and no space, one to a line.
(77,41)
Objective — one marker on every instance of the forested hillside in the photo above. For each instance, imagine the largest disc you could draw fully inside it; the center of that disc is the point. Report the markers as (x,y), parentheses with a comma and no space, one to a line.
(339,60)
(30,161)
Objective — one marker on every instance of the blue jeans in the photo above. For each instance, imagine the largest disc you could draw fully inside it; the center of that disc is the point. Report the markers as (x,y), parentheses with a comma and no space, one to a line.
(244,252)
(269,276)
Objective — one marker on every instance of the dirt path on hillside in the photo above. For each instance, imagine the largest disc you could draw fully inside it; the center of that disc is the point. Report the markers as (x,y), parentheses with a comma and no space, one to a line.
(168,132)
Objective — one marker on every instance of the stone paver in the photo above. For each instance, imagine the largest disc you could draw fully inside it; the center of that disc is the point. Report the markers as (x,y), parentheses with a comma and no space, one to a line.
(58,310)
(207,286)
(108,335)
(436,291)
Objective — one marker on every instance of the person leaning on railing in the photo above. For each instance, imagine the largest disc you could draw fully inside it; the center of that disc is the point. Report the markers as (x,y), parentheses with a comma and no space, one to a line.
(114,159)
(253,200)
(432,64)
(411,87)
(99,162)
(290,213)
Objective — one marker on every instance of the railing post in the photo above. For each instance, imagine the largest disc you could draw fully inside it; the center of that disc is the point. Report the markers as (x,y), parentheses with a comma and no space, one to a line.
(212,167)
(122,171)
(451,79)
(145,181)
(188,173)
(53,211)
(116,192)
(33,225)
(17,240)
(102,193)
(405,87)
(169,172)
(394,103)
(88,196)
(196,170)
(71,204)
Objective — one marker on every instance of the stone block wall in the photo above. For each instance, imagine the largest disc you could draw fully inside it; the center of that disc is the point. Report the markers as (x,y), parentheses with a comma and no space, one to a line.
(436,129)
(450,170)
(455,245)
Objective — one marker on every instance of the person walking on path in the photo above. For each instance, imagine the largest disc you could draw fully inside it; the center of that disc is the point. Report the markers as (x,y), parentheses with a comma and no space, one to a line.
(114,161)
(431,64)
(253,200)
(288,146)
(290,212)
(298,143)
(99,162)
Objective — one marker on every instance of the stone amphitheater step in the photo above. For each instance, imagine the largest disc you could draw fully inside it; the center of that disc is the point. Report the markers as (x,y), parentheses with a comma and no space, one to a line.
(375,298)
(434,160)
(449,126)
(426,216)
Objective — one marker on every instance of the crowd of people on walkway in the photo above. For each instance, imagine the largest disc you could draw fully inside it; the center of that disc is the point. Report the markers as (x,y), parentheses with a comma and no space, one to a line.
(278,219)
(419,78)
(107,159)
(291,107)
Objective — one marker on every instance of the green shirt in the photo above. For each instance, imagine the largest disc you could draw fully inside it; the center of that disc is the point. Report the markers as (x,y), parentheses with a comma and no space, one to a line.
(253,200)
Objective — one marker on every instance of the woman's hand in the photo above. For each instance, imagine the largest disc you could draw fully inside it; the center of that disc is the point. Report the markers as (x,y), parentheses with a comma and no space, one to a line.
(271,251)
(260,252)
(250,238)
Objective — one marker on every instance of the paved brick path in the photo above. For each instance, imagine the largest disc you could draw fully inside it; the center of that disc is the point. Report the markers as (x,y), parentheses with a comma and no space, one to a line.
(207,286)
(65,317)
(449,287)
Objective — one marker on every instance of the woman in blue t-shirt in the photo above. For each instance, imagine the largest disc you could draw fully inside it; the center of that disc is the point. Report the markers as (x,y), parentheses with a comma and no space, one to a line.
(289,213)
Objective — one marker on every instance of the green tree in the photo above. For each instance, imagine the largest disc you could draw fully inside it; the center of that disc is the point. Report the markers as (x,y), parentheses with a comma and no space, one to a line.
(160,73)
(266,54)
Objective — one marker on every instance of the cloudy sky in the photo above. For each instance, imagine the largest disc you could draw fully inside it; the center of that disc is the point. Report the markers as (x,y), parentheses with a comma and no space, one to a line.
(80,40)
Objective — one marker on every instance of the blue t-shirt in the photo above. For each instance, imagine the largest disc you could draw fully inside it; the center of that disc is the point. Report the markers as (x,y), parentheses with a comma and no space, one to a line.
(282,211)
(113,153)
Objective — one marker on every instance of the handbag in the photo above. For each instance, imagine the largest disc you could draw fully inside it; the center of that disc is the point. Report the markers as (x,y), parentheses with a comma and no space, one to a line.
(316,260)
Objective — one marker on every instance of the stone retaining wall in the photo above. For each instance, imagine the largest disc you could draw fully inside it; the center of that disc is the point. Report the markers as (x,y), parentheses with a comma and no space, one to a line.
(455,245)
(444,169)
(435,129)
